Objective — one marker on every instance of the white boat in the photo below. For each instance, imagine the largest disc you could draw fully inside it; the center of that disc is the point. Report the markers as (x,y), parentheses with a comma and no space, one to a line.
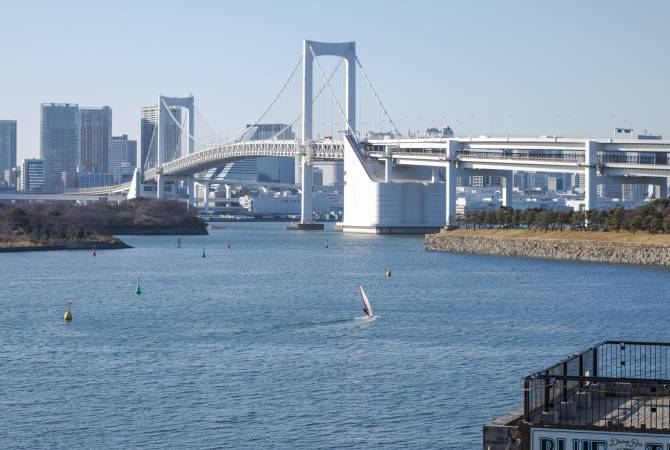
(367,307)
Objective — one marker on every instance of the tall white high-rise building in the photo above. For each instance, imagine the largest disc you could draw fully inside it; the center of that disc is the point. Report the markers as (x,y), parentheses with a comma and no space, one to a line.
(60,144)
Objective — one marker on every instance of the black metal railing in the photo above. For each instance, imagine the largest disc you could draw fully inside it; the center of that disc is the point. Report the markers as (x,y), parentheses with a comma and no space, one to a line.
(613,385)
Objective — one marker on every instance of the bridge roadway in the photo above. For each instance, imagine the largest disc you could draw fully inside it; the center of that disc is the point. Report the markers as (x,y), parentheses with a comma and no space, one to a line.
(601,161)
(614,157)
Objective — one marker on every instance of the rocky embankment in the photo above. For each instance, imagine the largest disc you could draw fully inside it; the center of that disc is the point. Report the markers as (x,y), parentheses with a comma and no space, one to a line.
(592,250)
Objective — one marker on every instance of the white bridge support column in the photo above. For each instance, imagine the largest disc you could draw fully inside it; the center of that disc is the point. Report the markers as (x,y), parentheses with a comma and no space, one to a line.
(190,186)
(590,174)
(388,164)
(508,183)
(205,197)
(160,187)
(450,173)
(306,201)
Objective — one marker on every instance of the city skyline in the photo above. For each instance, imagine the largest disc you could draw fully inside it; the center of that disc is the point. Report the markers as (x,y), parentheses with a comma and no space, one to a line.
(565,70)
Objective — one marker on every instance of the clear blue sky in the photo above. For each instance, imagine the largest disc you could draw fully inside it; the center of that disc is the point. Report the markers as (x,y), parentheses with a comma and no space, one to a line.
(505,66)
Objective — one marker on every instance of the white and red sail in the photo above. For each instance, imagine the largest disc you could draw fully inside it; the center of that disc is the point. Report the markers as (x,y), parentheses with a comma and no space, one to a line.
(367,307)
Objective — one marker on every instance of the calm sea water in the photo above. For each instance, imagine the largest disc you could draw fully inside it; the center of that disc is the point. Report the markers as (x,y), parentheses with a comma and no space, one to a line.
(263,345)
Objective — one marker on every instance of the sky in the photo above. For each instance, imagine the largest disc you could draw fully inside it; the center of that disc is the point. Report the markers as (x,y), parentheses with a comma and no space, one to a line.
(575,68)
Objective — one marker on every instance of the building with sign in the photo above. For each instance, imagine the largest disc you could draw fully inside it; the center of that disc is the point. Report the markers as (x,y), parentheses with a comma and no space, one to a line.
(612,396)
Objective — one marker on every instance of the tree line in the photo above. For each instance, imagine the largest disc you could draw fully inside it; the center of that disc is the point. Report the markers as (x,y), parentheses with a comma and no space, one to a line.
(652,218)
(57,221)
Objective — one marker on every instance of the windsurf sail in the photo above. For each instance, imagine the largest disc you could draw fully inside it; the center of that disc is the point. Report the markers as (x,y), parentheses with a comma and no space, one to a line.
(366,303)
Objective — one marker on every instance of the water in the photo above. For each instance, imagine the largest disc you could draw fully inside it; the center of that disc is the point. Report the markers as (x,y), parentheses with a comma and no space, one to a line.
(263,345)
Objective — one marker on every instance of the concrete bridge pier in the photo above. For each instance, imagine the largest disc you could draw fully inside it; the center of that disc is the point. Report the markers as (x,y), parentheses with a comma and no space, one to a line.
(388,164)
(205,197)
(590,174)
(306,184)
(508,184)
(450,173)
(306,198)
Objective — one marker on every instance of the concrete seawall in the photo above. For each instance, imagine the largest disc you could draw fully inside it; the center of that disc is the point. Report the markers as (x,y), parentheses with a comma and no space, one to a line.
(561,249)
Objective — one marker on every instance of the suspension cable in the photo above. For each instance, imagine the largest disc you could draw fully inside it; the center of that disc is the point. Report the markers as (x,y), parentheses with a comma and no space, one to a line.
(281,91)
(151,142)
(313,100)
(379,100)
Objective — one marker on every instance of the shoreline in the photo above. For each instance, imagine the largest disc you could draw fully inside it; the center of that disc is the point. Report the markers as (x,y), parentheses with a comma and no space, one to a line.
(585,246)
(111,244)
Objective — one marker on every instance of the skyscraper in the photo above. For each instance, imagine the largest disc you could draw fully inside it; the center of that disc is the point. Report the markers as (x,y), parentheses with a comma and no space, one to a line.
(7,145)
(96,138)
(122,158)
(60,143)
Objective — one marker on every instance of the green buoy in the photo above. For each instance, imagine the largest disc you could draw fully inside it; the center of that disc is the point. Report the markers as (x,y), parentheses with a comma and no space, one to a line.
(203,252)
(138,289)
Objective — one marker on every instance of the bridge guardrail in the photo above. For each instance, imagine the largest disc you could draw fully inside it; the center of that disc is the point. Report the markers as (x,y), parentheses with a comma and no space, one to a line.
(627,157)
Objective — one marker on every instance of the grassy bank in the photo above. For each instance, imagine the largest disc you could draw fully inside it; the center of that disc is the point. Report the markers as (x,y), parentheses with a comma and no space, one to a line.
(623,237)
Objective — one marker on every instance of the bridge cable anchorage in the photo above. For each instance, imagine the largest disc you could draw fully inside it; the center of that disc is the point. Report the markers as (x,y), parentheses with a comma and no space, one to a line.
(330,89)
(374,92)
(274,101)
(323,87)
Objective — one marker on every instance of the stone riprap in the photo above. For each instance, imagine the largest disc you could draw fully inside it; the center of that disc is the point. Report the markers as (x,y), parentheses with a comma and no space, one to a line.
(563,249)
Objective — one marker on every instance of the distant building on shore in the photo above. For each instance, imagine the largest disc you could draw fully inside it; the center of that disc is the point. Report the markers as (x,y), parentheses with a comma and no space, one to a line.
(60,144)
(122,158)
(7,146)
(32,178)
(96,138)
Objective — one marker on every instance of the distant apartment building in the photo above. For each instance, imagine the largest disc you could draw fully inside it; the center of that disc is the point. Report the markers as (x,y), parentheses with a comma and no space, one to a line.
(11,178)
(7,146)
(555,183)
(60,144)
(96,138)
(609,190)
(32,178)
(633,192)
(122,158)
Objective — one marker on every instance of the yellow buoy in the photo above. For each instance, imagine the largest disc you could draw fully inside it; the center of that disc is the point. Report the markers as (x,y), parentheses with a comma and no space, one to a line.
(388,271)
(68,314)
